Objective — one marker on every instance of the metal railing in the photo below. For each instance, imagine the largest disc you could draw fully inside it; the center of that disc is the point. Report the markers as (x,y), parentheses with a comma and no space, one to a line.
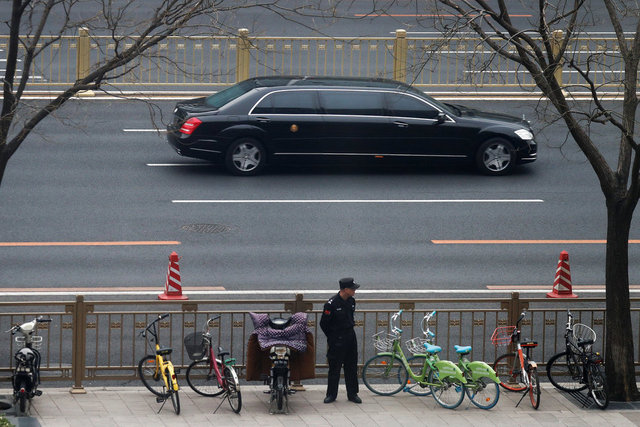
(206,62)
(99,340)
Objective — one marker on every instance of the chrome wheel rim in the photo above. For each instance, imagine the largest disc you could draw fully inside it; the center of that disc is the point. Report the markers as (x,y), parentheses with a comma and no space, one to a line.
(246,157)
(496,157)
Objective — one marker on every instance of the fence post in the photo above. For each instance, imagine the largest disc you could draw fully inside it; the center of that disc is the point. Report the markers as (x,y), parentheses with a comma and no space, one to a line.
(82,53)
(514,307)
(299,305)
(400,56)
(556,42)
(78,345)
(242,55)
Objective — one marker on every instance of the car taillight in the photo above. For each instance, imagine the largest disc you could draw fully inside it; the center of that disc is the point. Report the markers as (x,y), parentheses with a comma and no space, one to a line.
(190,125)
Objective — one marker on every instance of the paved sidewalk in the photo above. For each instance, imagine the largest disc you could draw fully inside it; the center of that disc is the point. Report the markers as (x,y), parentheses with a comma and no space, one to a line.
(135,406)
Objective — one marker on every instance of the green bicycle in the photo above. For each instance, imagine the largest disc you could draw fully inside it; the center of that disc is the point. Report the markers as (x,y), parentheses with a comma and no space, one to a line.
(388,372)
(482,382)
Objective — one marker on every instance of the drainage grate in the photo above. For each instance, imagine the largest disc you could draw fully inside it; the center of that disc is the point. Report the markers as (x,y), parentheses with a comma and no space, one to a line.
(206,228)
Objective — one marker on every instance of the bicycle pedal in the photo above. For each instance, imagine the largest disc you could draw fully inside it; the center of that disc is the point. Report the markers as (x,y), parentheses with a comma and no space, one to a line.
(160,399)
(291,391)
(37,393)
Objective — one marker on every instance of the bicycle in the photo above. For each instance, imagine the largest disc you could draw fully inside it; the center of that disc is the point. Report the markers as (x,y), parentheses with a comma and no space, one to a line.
(482,382)
(516,370)
(156,370)
(209,375)
(387,372)
(578,367)
(26,373)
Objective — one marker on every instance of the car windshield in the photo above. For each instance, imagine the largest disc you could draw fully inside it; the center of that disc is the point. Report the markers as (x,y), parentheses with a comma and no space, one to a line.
(223,97)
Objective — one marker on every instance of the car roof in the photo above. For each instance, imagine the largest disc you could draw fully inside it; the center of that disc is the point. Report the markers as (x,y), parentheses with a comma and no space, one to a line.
(294,80)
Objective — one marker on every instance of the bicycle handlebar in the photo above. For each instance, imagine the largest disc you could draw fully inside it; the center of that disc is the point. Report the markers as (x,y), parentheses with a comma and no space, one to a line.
(394,328)
(425,324)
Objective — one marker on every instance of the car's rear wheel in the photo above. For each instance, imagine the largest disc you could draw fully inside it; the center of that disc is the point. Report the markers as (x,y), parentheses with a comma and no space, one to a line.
(496,157)
(245,156)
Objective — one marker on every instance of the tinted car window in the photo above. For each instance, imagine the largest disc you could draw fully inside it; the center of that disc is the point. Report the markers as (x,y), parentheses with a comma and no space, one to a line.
(352,103)
(223,97)
(287,102)
(407,106)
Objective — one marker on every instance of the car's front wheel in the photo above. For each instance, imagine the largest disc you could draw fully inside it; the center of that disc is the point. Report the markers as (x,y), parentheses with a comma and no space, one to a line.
(496,157)
(245,156)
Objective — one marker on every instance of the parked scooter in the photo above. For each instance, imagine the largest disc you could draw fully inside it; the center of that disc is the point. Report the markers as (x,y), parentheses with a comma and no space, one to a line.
(278,380)
(26,373)
(275,350)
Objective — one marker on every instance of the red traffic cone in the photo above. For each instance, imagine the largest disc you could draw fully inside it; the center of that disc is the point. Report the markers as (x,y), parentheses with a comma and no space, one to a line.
(172,286)
(562,283)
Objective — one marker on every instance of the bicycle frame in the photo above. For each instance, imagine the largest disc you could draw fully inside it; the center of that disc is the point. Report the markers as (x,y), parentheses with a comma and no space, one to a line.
(213,361)
(445,368)
(162,365)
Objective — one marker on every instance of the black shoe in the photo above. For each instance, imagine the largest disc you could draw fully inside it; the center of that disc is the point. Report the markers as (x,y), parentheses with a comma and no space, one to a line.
(329,399)
(355,399)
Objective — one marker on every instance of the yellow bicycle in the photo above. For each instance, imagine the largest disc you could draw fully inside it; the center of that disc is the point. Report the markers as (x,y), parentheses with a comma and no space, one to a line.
(156,370)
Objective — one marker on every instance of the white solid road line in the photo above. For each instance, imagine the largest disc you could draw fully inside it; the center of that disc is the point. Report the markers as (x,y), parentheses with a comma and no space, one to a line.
(367,201)
(361,292)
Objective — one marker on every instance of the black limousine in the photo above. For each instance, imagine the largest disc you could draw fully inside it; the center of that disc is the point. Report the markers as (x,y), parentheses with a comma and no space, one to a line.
(293,119)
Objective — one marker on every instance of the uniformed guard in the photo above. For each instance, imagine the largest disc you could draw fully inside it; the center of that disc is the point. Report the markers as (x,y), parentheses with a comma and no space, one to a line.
(337,323)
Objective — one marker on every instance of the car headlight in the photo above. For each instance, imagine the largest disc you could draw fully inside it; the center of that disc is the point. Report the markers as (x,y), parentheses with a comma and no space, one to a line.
(524,134)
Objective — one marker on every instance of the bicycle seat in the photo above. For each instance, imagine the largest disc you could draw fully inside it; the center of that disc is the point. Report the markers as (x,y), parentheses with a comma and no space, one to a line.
(432,349)
(462,349)
(529,344)
(164,351)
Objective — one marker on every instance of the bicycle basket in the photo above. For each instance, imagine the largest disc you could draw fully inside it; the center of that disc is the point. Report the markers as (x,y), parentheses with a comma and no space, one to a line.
(502,335)
(194,343)
(582,332)
(416,345)
(383,341)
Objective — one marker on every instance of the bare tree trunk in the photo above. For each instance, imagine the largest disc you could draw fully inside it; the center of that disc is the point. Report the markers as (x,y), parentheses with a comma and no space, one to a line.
(620,369)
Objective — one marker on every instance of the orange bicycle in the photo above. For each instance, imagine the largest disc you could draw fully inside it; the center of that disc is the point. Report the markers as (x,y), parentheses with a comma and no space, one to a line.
(516,370)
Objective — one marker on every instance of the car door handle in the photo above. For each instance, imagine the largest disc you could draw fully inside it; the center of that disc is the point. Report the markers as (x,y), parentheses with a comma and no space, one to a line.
(263,119)
(401,124)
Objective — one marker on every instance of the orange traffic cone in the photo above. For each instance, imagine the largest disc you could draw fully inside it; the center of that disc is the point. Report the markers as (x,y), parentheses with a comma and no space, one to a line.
(172,286)
(562,283)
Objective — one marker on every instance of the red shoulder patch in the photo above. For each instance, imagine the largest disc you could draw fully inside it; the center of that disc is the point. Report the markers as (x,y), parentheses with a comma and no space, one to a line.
(327,312)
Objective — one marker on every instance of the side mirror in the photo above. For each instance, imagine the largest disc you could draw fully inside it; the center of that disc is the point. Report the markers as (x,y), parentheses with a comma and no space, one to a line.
(441,117)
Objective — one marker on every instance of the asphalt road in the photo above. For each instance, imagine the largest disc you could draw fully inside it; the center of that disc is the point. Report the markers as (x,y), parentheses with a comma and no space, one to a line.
(86,178)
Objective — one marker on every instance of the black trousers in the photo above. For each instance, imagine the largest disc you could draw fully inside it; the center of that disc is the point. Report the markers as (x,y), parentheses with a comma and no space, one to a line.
(348,358)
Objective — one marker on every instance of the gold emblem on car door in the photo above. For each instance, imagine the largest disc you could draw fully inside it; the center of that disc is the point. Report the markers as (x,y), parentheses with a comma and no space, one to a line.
(294,128)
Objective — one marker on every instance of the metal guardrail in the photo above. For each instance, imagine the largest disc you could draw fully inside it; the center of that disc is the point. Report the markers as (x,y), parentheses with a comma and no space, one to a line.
(206,62)
(99,340)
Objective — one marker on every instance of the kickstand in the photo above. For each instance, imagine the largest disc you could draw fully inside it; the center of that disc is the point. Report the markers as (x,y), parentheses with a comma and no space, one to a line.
(224,397)
(523,395)
(163,400)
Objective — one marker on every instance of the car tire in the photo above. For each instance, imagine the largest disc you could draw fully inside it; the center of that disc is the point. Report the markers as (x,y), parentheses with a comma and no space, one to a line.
(245,157)
(496,157)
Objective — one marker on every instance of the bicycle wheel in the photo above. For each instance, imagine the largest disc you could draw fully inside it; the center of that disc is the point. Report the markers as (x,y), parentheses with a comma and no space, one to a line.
(175,400)
(416,363)
(447,392)
(151,377)
(598,386)
(564,370)
(201,377)
(384,375)
(235,397)
(534,387)
(509,372)
(484,393)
